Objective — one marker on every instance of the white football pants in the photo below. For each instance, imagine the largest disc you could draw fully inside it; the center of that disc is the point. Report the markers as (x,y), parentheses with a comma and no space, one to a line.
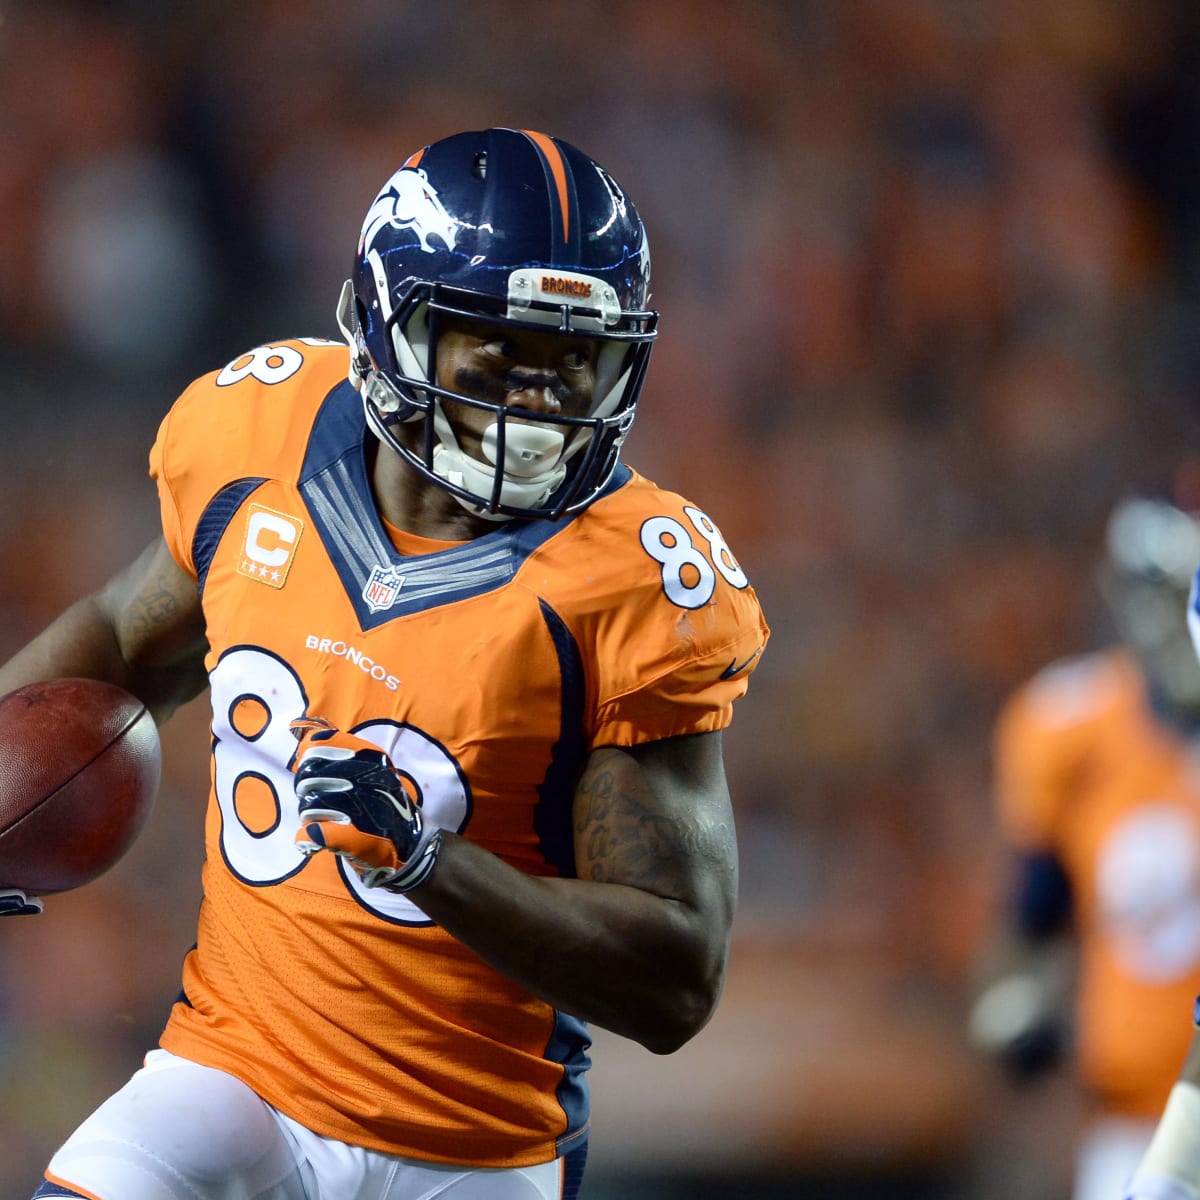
(1110,1151)
(180,1131)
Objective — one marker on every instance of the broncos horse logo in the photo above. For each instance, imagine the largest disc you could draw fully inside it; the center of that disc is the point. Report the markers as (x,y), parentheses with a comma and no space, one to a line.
(409,201)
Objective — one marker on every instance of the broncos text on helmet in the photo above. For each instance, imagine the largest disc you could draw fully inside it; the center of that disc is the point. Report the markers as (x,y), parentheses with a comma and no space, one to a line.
(502,227)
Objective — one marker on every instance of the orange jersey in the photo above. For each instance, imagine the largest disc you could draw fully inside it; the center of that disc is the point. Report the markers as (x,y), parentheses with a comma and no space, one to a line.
(1087,771)
(488,670)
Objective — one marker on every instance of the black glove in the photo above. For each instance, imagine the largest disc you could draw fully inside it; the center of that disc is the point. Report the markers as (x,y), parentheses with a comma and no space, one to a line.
(353,802)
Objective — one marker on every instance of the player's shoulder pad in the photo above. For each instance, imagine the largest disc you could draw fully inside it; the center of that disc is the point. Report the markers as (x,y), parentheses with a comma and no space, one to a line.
(653,570)
(658,540)
(253,411)
(271,374)
(249,420)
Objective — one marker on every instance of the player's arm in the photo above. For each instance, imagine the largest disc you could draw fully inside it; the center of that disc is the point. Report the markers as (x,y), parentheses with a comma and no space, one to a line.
(1021,1014)
(636,944)
(144,631)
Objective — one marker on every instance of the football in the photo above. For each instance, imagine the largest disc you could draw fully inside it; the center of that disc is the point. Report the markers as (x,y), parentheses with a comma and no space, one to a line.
(79,770)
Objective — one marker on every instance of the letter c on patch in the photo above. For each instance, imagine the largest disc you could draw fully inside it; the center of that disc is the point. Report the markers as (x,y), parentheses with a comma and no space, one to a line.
(270,538)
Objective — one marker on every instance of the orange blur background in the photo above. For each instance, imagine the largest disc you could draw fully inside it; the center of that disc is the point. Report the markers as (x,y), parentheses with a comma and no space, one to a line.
(928,277)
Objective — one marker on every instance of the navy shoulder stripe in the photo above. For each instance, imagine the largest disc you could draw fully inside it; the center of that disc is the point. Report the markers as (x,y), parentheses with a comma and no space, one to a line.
(215,520)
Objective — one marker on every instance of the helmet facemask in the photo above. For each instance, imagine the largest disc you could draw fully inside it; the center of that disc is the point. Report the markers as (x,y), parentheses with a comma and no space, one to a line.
(532,464)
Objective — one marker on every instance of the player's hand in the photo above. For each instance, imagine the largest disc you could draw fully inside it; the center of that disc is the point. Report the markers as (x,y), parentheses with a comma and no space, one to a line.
(15,903)
(353,802)
(1018,1021)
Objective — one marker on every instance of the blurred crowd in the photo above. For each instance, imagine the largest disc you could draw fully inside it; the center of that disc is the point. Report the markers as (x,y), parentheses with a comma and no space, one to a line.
(928,277)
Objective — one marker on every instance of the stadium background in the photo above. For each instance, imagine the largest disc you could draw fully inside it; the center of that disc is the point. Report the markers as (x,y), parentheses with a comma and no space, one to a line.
(928,277)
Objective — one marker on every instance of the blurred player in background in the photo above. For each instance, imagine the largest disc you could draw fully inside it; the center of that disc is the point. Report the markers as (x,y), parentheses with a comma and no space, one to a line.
(1098,790)
(469,674)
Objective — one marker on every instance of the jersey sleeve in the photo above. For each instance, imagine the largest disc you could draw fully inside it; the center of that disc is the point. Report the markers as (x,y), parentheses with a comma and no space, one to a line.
(175,476)
(683,686)
(683,630)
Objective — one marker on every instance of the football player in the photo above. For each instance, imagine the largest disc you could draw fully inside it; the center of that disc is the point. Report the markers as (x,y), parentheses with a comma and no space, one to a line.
(1099,798)
(469,674)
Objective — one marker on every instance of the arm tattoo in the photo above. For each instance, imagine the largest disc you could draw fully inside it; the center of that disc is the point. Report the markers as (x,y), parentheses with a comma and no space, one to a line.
(158,628)
(626,837)
(154,607)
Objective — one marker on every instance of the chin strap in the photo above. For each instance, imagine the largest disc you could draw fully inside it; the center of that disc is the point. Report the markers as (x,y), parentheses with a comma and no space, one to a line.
(532,467)
(360,360)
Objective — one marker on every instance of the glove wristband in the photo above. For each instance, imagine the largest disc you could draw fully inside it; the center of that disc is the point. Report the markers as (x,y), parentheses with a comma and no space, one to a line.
(417,868)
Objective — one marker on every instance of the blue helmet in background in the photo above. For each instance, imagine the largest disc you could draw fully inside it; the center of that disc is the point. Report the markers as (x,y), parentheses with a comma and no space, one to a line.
(515,228)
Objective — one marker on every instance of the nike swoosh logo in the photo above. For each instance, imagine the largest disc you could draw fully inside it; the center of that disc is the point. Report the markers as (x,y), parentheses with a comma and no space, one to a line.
(736,668)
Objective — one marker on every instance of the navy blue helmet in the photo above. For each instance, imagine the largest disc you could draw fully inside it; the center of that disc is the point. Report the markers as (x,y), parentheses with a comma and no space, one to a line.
(517,228)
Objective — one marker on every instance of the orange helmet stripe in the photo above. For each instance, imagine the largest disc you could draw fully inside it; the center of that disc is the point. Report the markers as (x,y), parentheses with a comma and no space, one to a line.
(414,159)
(558,169)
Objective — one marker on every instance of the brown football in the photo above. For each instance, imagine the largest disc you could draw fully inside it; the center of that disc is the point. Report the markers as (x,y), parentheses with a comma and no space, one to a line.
(79,770)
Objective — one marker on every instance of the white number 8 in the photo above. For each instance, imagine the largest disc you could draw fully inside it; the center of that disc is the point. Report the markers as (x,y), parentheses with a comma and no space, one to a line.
(267,364)
(688,577)
(252,746)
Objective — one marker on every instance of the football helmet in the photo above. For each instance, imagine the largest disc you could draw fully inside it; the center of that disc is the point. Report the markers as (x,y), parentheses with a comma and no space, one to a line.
(1152,550)
(514,228)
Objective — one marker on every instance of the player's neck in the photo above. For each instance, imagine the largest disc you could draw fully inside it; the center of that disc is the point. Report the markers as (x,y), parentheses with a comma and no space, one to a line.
(414,505)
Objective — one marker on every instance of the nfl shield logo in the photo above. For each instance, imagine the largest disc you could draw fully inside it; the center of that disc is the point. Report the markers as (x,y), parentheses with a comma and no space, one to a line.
(382,588)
